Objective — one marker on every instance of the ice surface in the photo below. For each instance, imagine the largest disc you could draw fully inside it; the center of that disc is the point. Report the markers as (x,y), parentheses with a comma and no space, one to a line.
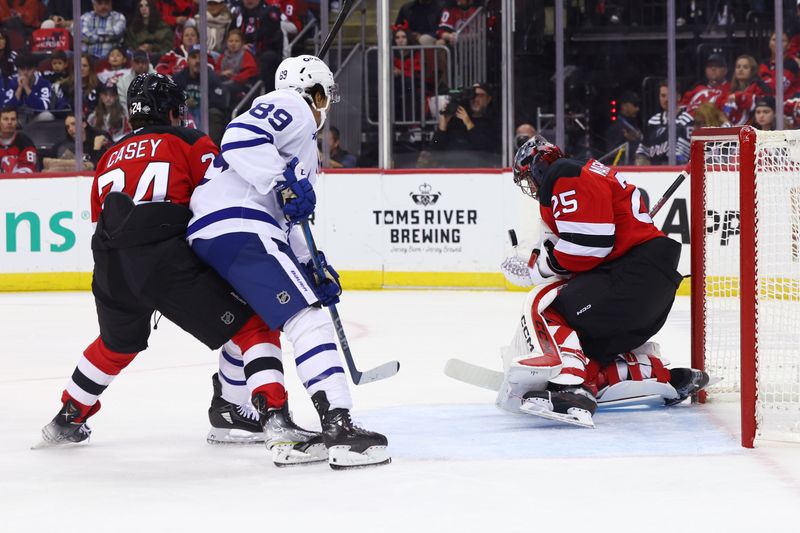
(459,464)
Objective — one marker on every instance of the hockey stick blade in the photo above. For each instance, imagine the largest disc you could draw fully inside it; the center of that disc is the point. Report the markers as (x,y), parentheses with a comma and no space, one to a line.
(386,370)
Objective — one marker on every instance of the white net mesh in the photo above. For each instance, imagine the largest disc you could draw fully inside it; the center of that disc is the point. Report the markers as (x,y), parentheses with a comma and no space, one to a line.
(777,186)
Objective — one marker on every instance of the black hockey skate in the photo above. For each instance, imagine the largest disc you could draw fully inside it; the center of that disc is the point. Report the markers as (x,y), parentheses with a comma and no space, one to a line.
(231,423)
(571,405)
(349,446)
(289,443)
(68,427)
(686,381)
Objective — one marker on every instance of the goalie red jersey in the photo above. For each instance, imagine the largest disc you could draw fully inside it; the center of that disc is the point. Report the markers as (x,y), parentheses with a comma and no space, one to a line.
(154,164)
(597,216)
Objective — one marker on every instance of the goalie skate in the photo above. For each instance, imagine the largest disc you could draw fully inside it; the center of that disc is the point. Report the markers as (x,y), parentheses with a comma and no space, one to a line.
(541,404)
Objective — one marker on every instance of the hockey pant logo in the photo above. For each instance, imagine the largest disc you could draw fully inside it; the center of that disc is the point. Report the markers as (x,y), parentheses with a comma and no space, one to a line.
(283,297)
(228,318)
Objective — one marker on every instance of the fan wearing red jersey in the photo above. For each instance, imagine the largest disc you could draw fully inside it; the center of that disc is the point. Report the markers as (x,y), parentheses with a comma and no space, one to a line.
(143,265)
(606,281)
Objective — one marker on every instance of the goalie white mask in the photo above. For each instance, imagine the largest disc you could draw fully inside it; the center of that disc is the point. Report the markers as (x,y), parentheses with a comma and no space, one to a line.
(301,73)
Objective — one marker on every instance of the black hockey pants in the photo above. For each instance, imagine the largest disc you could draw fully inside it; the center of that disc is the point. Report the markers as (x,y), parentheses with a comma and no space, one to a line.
(619,305)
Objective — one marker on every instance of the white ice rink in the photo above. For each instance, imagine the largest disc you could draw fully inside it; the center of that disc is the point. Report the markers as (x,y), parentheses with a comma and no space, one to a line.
(459,464)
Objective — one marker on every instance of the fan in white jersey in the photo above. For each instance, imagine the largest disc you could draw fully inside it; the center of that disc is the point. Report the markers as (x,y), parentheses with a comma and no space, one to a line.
(245,227)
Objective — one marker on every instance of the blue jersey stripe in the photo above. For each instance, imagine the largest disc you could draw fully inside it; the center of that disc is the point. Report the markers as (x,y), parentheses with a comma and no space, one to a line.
(314,351)
(228,213)
(243,144)
(254,129)
(324,375)
(231,360)
(232,381)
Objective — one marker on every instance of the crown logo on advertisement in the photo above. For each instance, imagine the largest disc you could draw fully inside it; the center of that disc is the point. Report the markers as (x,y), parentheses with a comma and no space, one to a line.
(425,197)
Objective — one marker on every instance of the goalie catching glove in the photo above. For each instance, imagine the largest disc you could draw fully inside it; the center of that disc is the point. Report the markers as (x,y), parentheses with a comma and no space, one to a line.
(327,288)
(540,268)
(296,197)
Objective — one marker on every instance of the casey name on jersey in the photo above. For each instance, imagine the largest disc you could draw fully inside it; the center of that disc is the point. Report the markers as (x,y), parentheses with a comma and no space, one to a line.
(134,150)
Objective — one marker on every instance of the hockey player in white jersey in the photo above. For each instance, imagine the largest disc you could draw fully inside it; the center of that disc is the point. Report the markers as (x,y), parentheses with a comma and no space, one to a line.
(245,227)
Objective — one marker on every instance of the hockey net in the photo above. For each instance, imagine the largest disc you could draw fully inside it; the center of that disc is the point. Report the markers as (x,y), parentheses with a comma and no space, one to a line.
(746,273)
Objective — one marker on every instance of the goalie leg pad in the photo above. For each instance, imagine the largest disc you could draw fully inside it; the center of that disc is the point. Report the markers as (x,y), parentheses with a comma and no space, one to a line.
(524,374)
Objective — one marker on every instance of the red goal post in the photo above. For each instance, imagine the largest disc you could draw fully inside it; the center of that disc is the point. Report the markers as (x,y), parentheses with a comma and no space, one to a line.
(745,235)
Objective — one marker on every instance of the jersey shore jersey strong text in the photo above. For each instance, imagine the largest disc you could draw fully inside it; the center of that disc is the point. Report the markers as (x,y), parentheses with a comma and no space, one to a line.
(238,192)
(154,164)
(596,214)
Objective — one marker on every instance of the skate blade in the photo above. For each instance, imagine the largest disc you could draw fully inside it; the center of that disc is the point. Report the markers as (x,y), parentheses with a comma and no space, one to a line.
(233,436)
(45,444)
(574,416)
(341,458)
(285,455)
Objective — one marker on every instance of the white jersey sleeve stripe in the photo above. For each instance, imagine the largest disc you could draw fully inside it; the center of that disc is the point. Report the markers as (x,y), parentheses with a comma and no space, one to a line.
(587,228)
(571,248)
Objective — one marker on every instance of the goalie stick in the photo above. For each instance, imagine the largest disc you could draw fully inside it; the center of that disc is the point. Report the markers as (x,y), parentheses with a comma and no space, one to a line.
(383,371)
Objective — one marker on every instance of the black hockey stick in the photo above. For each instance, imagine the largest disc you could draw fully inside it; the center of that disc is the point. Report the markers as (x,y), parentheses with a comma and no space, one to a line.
(667,195)
(337,24)
(383,371)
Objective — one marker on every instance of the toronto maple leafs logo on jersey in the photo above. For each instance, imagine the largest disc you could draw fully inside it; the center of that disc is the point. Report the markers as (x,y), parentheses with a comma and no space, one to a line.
(425,196)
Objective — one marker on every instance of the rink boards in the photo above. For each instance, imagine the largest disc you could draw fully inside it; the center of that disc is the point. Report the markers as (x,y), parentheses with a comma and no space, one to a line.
(381,229)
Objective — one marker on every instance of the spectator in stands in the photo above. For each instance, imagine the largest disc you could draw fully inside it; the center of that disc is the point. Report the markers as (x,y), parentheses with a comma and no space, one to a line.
(764,114)
(469,136)
(147,32)
(714,90)
(175,60)
(20,13)
(59,68)
(407,77)
(17,151)
(293,13)
(101,29)
(109,117)
(626,128)
(236,66)
(139,65)
(175,12)
(453,19)
(746,85)
(94,145)
(65,91)
(338,156)
(219,20)
(709,116)
(523,132)
(60,12)
(8,57)
(654,148)
(189,81)
(30,88)
(791,71)
(261,26)
(116,67)
(422,17)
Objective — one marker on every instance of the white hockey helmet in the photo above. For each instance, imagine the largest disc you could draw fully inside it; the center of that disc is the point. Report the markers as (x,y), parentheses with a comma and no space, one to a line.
(304,72)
